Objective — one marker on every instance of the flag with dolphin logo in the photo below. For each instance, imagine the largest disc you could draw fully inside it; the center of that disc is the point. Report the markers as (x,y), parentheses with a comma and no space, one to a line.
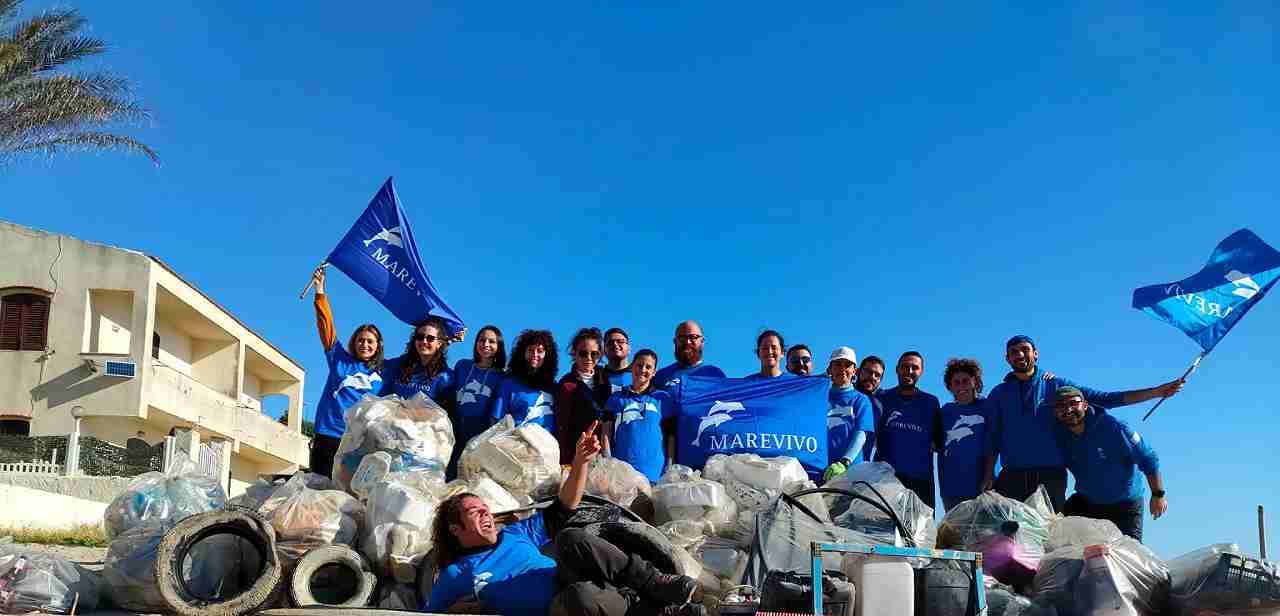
(380,254)
(1208,304)
(785,416)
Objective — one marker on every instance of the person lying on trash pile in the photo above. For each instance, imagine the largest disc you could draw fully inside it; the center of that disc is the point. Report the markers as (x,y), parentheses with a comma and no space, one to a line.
(505,571)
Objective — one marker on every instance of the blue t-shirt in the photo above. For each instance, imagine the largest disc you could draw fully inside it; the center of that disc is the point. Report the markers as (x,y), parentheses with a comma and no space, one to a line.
(513,578)
(668,377)
(904,437)
(1106,458)
(637,430)
(473,394)
(963,443)
(349,381)
(849,411)
(525,404)
(756,376)
(435,388)
(617,378)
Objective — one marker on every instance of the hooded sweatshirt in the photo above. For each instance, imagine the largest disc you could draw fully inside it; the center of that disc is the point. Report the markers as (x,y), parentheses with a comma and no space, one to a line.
(1106,457)
(1022,419)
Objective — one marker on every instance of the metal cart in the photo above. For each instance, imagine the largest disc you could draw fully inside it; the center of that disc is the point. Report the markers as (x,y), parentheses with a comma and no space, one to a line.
(817,549)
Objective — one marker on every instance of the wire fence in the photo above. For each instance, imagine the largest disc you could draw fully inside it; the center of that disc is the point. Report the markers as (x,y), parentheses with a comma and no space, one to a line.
(98,458)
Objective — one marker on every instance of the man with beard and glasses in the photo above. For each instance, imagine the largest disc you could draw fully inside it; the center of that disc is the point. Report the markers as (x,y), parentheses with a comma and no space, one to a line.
(905,436)
(799,360)
(617,353)
(870,372)
(1023,423)
(1104,455)
(688,351)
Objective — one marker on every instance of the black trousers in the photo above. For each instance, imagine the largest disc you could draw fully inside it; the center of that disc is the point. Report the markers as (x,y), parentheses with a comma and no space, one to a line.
(1021,484)
(598,579)
(922,487)
(323,448)
(1127,516)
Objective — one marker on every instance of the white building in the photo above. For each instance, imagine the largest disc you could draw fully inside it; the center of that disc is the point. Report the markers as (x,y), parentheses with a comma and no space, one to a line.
(122,336)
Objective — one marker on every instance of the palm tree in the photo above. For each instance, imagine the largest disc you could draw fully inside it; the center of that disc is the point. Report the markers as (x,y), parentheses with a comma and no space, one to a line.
(45,110)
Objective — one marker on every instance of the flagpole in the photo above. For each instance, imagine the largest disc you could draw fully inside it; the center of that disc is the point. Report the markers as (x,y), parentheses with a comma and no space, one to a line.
(311,282)
(1195,364)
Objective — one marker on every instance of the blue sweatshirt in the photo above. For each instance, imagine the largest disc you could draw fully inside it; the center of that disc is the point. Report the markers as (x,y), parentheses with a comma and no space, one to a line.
(1106,458)
(617,378)
(512,578)
(668,377)
(849,411)
(473,394)
(435,388)
(349,381)
(963,442)
(1022,419)
(637,430)
(904,439)
(525,404)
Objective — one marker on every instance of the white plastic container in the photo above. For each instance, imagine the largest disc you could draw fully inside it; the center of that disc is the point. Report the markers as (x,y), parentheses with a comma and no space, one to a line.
(885,586)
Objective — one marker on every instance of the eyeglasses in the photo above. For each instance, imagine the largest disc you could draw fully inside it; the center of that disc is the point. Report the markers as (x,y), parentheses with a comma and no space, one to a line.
(801,359)
(426,338)
(618,341)
(1066,404)
(689,337)
(584,354)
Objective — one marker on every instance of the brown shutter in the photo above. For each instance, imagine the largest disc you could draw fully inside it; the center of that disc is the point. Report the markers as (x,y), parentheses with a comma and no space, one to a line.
(24,322)
(35,324)
(10,324)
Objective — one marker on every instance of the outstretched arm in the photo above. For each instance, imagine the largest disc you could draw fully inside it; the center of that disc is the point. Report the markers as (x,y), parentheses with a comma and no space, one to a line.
(575,485)
(324,314)
(1151,393)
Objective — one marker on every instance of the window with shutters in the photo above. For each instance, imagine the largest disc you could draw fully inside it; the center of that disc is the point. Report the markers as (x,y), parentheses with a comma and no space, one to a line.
(24,322)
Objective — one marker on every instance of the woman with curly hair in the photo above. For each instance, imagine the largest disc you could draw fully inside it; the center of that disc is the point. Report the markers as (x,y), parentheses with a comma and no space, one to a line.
(582,391)
(526,394)
(961,433)
(424,367)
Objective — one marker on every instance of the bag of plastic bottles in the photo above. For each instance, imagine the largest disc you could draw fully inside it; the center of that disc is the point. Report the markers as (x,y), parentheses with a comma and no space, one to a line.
(401,509)
(416,435)
(160,496)
(33,581)
(525,460)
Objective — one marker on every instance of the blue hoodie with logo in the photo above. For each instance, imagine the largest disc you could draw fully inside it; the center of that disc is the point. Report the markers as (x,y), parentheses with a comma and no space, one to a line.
(1022,419)
(1106,457)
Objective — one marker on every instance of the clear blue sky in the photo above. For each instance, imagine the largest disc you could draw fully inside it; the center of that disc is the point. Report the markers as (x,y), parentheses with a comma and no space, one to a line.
(910,178)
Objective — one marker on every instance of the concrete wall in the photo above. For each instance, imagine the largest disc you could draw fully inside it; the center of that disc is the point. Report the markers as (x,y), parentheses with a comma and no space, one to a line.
(175,346)
(215,363)
(109,321)
(48,502)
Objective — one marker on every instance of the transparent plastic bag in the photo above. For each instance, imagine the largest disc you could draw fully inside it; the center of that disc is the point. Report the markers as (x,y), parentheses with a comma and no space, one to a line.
(33,581)
(869,520)
(1077,530)
(683,494)
(372,469)
(524,460)
(1203,583)
(616,481)
(160,496)
(400,511)
(1123,575)
(496,497)
(416,435)
(129,567)
(783,536)
(312,518)
(973,522)
(721,558)
(753,482)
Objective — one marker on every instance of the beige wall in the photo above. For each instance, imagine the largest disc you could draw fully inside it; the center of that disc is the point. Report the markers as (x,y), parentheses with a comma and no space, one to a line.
(108,327)
(175,346)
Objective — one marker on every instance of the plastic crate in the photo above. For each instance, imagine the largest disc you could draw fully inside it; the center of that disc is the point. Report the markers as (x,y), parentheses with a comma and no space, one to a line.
(1236,583)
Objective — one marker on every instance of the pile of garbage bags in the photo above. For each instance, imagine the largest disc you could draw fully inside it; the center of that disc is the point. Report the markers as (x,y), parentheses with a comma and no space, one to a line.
(876,482)
(160,496)
(524,460)
(415,434)
(1123,576)
(33,581)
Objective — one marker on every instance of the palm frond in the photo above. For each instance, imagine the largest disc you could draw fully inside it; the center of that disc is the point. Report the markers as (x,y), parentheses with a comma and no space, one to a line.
(89,140)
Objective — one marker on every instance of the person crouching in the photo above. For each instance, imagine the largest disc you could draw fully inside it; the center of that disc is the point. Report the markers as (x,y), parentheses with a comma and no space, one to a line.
(506,572)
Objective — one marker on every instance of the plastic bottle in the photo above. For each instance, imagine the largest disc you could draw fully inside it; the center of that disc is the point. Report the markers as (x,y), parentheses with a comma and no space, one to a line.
(885,586)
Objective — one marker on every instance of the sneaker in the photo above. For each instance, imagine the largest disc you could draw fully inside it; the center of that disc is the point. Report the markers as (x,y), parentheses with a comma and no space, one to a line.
(688,609)
(667,589)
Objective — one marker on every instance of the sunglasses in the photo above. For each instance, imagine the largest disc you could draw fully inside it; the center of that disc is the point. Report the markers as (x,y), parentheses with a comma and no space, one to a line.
(1066,404)
(426,338)
(589,354)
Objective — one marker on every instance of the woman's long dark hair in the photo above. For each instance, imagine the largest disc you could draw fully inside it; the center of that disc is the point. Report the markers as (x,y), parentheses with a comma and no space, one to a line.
(374,362)
(544,377)
(413,363)
(446,543)
(499,357)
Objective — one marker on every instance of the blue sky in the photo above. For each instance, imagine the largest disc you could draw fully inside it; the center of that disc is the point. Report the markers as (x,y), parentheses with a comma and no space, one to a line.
(925,177)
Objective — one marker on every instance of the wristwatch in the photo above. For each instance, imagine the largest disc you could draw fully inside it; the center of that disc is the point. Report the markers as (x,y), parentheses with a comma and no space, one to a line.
(1157,494)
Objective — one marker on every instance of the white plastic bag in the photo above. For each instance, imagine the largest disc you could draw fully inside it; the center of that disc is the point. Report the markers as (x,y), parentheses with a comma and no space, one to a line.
(401,509)
(616,481)
(416,435)
(753,482)
(497,498)
(683,494)
(524,460)
(312,518)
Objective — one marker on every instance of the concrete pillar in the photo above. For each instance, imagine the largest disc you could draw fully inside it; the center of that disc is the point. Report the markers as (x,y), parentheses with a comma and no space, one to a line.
(188,444)
(224,463)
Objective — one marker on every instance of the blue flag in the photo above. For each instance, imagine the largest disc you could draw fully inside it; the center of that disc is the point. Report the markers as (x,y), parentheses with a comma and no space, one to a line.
(786,416)
(1208,304)
(380,254)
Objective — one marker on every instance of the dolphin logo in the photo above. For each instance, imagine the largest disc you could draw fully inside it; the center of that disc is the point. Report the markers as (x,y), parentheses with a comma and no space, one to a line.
(479,582)
(635,410)
(1244,285)
(720,412)
(837,416)
(472,391)
(390,236)
(539,409)
(357,381)
(961,429)
(892,416)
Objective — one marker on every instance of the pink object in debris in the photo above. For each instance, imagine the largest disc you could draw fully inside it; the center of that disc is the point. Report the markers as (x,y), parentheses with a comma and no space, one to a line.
(1004,559)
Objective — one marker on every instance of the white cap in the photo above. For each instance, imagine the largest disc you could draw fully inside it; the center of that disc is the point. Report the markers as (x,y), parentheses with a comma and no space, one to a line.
(844,352)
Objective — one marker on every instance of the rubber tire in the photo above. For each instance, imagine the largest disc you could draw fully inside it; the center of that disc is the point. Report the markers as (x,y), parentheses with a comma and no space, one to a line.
(300,581)
(642,540)
(179,540)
